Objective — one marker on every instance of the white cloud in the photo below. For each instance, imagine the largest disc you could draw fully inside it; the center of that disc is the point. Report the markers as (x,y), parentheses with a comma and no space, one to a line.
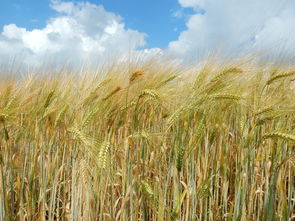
(192,3)
(178,14)
(85,32)
(236,26)
(81,32)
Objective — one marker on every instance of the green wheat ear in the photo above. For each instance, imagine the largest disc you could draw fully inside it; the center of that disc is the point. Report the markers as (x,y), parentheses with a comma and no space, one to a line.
(49,99)
(279,135)
(149,193)
(179,159)
(147,189)
(102,155)
(225,96)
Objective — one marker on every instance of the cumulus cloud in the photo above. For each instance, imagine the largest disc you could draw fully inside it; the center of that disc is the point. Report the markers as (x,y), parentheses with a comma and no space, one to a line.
(80,32)
(192,3)
(84,32)
(236,26)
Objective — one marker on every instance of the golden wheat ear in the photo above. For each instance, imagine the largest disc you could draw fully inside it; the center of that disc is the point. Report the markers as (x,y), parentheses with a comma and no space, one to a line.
(135,75)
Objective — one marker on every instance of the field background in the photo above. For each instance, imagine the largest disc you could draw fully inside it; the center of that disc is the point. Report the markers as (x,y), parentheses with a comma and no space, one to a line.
(154,141)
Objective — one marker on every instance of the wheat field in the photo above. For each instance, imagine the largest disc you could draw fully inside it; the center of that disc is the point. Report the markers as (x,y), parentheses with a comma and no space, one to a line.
(151,141)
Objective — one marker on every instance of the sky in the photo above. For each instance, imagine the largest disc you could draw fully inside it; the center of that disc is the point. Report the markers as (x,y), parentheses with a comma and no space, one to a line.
(153,17)
(35,32)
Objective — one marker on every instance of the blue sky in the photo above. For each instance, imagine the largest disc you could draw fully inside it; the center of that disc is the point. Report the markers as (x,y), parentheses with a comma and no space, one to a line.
(153,17)
(37,31)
